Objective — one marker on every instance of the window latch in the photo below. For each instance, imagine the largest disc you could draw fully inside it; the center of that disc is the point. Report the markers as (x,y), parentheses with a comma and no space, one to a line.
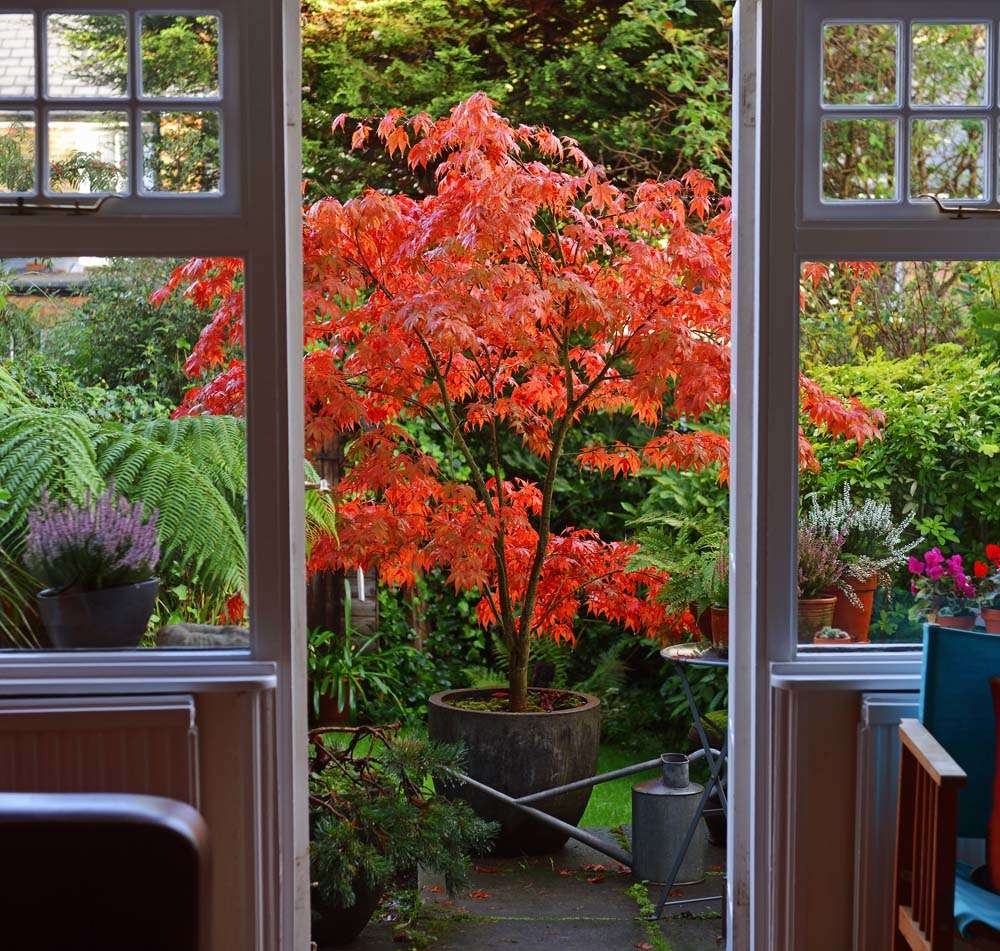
(961,212)
(22,207)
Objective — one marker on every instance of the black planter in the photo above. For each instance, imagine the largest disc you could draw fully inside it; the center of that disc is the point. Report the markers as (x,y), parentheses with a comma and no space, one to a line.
(521,753)
(334,926)
(111,617)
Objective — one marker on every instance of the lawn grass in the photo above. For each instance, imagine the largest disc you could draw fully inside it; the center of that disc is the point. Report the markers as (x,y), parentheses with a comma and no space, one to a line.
(611,803)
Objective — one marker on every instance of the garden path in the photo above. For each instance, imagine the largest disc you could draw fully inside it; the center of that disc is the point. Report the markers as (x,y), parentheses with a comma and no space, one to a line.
(577,899)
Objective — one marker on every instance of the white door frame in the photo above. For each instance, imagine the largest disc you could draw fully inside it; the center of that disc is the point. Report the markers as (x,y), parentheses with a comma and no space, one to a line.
(264,229)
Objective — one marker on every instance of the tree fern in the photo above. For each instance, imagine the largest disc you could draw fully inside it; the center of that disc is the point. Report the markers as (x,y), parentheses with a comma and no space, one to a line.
(11,394)
(44,449)
(215,445)
(200,532)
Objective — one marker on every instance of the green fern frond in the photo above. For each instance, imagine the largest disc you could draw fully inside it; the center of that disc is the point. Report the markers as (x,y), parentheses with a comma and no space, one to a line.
(215,445)
(200,533)
(11,395)
(44,449)
(609,672)
(321,512)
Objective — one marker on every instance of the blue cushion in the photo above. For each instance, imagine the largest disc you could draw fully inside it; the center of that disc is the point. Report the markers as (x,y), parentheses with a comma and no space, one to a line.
(973,903)
(957,707)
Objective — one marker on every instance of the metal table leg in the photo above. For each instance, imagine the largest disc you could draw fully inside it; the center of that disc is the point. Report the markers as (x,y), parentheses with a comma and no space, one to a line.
(716,764)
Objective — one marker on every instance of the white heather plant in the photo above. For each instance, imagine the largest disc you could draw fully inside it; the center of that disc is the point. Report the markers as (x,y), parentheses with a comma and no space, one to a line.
(873,542)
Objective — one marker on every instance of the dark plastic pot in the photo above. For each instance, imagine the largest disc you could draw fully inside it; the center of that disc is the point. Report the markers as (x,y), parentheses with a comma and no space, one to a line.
(334,926)
(111,617)
(521,753)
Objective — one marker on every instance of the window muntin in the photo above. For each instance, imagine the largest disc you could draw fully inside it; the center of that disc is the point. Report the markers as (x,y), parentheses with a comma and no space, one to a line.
(130,104)
(896,108)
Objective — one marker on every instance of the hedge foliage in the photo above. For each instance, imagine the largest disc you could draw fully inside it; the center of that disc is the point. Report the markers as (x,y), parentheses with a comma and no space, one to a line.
(942,439)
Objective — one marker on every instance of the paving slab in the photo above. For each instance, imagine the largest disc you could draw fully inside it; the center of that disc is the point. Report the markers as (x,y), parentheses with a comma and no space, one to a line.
(576,899)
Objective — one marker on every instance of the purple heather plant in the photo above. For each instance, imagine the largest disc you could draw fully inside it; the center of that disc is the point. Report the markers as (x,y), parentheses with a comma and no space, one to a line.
(103,543)
(821,567)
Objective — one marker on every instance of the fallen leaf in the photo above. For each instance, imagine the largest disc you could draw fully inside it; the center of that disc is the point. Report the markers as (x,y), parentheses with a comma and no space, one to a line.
(594,868)
(595,880)
(436,889)
(487,869)
(479,895)
(645,946)
(566,872)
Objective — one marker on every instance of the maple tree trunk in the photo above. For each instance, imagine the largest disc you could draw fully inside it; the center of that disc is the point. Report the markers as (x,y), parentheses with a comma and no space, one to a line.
(518,675)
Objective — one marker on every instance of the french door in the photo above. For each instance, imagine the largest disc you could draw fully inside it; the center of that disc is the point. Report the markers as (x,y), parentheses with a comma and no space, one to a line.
(242,200)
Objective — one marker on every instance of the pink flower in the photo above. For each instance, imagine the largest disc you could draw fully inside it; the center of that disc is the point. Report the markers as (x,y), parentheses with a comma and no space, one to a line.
(934,572)
(955,566)
(915,565)
(934,558)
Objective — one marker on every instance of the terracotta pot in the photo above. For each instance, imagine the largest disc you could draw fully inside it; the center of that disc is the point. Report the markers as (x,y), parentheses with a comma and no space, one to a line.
(814,614)
(854,620)
(330,712)
(704,620)
(991,618)
(830,641)
(720,629)
(964,622)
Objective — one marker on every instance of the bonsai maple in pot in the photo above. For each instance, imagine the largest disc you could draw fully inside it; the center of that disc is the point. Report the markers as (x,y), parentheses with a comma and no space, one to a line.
(526,293)
(98,561)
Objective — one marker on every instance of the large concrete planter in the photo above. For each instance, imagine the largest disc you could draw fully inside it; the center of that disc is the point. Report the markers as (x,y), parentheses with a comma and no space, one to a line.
(522,753)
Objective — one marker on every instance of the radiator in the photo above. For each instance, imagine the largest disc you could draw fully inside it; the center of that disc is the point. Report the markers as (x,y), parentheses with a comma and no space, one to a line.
(146,745)
(875,830)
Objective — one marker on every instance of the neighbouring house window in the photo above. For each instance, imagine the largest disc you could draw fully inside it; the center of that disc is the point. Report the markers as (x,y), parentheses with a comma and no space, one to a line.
(95,104)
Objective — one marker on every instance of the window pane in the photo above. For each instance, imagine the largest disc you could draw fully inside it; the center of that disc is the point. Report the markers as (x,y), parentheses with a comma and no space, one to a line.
(17,55)
(859,63)
(17,152)
(859,159)
(180,151)
(88,152)
(100,392)
(947,158)
(949,64)
(915,344)
(180,56)
(87,55)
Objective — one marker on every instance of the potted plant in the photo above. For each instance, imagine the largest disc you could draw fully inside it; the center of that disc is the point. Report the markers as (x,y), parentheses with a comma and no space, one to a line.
(873,545)
(831,637)
(695,561)
(820,571)
(989,571)
(344,670)
(373,815)
(456,344)
(943,593)
(98,562)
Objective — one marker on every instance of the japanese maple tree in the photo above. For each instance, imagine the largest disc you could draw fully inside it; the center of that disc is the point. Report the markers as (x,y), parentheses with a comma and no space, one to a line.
(527,293)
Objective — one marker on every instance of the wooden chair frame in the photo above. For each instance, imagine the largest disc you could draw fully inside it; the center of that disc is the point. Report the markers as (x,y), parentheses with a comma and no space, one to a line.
(926,838)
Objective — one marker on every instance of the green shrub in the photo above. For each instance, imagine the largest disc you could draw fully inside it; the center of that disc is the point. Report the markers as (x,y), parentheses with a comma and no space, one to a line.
(116,337)
(942,437)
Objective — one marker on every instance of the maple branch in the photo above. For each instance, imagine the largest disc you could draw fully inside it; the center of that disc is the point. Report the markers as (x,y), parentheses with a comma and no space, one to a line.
(506,605)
